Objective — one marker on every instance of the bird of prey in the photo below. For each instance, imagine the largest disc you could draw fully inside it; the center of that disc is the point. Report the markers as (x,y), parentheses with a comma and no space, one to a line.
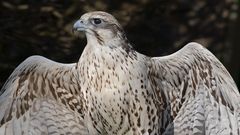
(115,90)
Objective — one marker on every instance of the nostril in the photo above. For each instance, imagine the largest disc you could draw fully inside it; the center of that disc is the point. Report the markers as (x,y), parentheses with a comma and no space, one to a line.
(81,21)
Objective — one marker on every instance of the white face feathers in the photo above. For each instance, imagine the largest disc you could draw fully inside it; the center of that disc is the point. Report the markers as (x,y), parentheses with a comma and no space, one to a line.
(101,28)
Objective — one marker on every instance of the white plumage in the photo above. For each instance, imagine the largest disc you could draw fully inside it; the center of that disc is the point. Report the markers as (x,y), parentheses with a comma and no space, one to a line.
(115,90)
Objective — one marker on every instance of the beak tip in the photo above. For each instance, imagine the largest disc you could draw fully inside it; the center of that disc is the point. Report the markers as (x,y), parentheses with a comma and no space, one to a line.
(78,26)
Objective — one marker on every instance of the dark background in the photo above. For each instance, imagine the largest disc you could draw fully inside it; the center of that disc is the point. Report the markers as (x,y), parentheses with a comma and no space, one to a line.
(155,27)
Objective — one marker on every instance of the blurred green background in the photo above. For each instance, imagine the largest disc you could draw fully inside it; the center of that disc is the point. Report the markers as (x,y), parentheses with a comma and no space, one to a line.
(155,28)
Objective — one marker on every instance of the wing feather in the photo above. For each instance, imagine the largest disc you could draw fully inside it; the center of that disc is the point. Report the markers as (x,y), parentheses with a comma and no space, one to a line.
(199,90)
(38,95)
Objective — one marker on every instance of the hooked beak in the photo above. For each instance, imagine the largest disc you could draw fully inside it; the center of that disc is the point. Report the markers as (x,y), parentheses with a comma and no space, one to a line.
(79,26)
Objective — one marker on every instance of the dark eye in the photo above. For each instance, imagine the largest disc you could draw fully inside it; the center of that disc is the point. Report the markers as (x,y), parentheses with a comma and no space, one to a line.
(97,21)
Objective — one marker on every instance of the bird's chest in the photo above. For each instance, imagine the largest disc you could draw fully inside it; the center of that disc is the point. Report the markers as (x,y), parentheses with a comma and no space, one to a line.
(119,102)
(108,90)
(118,95)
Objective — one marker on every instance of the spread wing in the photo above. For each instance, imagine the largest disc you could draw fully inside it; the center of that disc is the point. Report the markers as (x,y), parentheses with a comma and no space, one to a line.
(197,93)
(40,97)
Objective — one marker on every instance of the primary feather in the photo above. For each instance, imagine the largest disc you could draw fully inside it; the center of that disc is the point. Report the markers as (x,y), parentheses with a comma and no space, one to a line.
(115,90)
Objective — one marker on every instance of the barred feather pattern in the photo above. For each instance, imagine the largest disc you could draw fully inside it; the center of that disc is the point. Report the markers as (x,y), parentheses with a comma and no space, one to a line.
(36,88)
(203,97)
(113,89)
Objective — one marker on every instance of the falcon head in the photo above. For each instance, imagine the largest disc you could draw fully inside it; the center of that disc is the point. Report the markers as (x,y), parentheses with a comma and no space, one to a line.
(101,28)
